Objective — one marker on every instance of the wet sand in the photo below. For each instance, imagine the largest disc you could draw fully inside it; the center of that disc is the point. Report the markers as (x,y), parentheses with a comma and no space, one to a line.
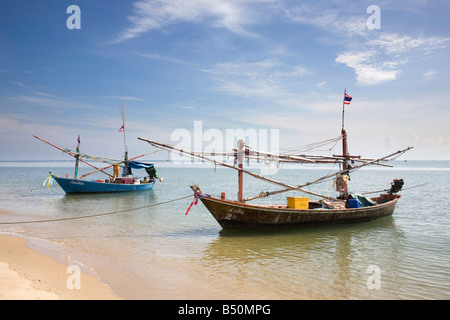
(26,274)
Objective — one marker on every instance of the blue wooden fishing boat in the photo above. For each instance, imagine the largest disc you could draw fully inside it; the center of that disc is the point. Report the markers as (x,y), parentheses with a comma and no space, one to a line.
(80,186)
(92,186)
(114,182)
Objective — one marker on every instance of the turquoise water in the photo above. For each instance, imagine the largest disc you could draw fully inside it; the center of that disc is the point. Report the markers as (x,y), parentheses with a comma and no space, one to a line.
(158,252)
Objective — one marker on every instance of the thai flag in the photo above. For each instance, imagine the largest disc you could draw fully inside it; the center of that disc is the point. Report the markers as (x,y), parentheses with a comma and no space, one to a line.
(122,128)
(347,98)
(78,140)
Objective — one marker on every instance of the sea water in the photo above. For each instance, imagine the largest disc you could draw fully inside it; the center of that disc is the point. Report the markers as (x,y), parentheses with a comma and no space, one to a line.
(159,252)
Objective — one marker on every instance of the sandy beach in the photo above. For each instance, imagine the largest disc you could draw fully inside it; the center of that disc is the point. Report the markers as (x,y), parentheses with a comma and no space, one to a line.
(26,274)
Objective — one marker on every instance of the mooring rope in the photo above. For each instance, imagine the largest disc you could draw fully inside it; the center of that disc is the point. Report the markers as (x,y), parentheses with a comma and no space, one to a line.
(97,215)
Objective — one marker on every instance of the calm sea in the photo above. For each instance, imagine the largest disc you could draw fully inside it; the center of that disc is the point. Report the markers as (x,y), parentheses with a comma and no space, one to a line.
(158,252)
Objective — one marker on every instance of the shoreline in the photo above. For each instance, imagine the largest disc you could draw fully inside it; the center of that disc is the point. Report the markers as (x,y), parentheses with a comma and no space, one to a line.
(26,274)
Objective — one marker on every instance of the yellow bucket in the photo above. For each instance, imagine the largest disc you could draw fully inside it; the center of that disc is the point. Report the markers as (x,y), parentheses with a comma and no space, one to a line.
(298,203)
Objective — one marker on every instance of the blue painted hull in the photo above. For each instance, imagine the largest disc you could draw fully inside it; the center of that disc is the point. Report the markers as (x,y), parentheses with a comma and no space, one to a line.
(83,186)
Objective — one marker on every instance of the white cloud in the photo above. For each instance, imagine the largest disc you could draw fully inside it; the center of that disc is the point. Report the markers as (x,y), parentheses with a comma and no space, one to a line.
(46,101)
(265,78)
(19,84)
(379,56)
(367,71)
(439,140)
(157,14)
(432,147)
(154,56)
(124,98)
(393,43)
(429,74)
(383,57)
(332,20)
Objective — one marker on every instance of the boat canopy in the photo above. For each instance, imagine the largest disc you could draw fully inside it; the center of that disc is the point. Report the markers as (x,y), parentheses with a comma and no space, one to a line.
(149,168)
(140,165)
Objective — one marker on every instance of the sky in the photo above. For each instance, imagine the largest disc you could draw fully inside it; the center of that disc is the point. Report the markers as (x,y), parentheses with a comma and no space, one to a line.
(214,65)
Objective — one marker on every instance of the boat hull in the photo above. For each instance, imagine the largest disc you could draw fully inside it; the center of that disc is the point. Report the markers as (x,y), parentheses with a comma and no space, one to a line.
(84,186)
(236,215)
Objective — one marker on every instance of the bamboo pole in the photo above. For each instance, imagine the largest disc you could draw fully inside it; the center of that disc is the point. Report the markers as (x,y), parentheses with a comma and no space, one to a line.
(330,175)
(69,153)
(107,167)
(288,187)
(165,146)
(78,155)
(279,156)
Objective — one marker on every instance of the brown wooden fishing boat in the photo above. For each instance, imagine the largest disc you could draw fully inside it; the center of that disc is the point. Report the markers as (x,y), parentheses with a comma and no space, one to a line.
(345,208)
(239,215)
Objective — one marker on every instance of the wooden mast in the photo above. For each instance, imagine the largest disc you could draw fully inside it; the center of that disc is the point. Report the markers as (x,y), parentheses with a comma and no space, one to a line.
(77,158)
(123,129)
(126,168)
(240,161)
(345,154)
(344,138)
(341,181)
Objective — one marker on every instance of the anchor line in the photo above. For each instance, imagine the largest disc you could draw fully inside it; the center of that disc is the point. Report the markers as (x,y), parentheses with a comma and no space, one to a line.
(96,215)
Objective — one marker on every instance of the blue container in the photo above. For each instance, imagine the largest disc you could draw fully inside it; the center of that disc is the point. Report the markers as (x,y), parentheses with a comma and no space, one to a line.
(353,203)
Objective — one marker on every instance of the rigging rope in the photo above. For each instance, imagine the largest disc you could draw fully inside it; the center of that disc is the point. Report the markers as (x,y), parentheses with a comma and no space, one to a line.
(97,215)
(314,145)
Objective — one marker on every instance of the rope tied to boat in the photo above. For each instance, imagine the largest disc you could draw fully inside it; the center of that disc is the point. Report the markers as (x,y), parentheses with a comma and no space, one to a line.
(197,195)
(96,215)
(49,180)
